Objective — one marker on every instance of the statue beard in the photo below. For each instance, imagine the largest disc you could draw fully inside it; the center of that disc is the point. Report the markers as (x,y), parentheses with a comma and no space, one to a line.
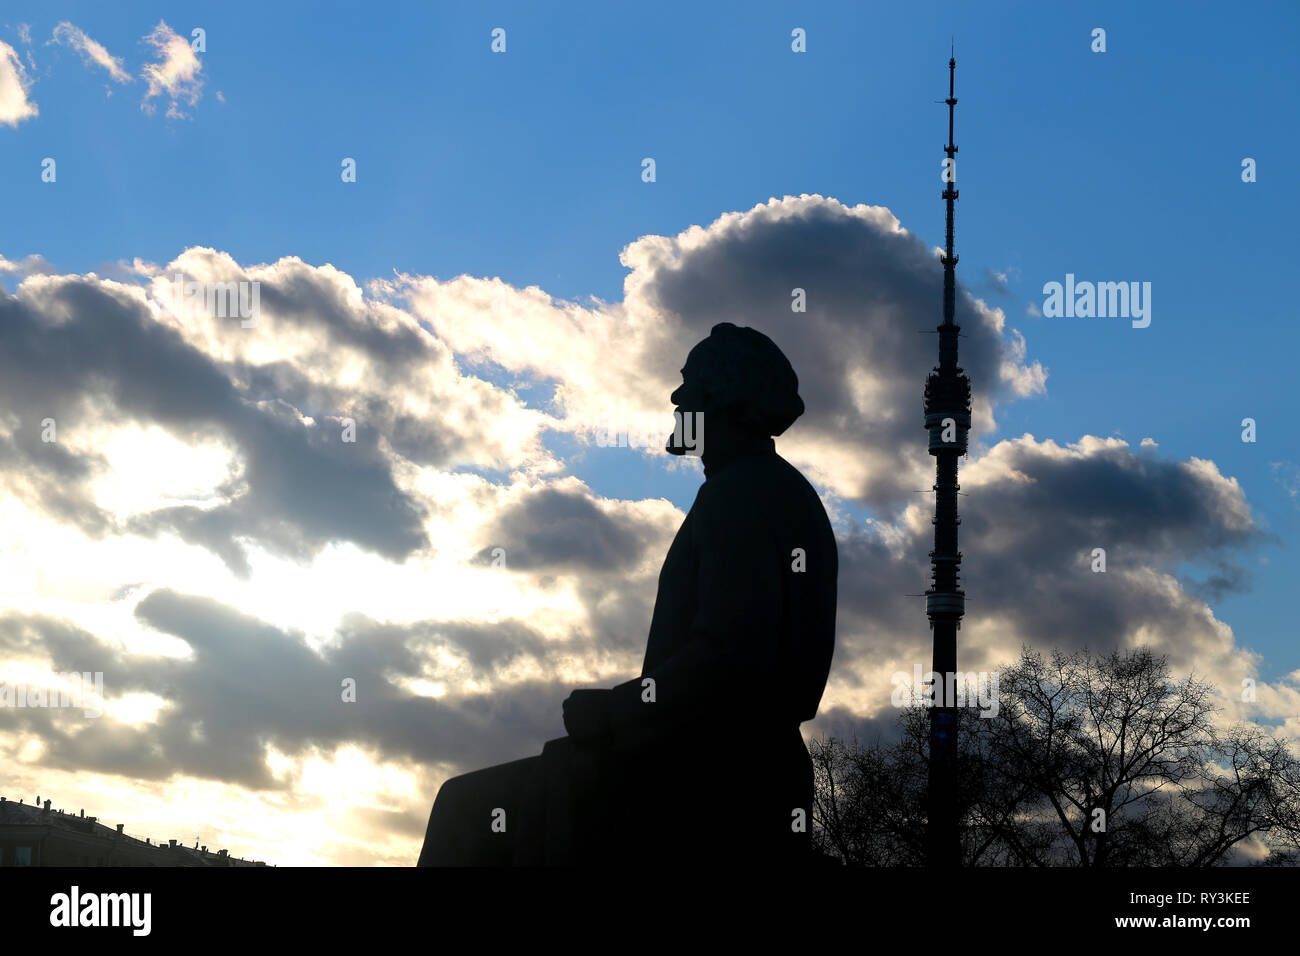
(687,437)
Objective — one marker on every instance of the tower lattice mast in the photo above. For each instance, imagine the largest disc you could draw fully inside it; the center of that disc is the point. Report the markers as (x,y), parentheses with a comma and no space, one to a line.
(947,419)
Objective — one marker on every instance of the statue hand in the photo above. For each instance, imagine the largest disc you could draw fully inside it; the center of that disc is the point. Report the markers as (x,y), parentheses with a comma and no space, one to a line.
(586,714)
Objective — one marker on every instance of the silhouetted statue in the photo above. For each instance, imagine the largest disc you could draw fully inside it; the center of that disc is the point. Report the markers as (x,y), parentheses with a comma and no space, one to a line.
(700,758)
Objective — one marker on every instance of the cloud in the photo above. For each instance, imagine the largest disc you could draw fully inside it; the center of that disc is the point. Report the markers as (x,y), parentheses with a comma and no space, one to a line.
(34,264)
(15,106)
(201,533)
(248,688)
(92,357)
(91,51)
(561,526)
(175,75)
(1287,474)
(870,287)
(997,281)
(1033,514)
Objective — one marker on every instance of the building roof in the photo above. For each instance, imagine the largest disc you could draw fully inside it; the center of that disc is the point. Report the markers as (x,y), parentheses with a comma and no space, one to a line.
(17,813)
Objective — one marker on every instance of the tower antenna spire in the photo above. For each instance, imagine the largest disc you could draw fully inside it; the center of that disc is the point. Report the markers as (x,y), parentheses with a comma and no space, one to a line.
(948,420)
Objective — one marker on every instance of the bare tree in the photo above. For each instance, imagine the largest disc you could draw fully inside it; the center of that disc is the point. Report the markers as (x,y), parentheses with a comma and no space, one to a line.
(1089,761)
(868,803)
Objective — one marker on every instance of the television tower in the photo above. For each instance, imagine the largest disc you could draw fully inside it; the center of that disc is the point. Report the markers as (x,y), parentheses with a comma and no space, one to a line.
(947,419)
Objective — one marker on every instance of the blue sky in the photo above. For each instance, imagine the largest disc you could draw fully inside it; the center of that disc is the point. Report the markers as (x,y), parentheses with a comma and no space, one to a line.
(1122,165)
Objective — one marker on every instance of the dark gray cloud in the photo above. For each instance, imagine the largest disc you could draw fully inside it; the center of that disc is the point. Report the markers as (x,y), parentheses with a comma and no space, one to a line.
(298,294)
(997,281)
(1032,515)
(77,351)
(1227,578)
(870,290)
(1031,521)
(1029,543)
(249,684)
(414,437)
(554,529)
(844,724)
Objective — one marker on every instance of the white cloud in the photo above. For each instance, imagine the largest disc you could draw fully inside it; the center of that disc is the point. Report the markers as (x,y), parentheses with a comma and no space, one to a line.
(855,349)
(175,75)
(34,264)
(15,106)
(191,447)
(91,50)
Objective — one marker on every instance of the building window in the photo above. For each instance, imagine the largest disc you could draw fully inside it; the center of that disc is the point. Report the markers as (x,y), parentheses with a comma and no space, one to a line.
(22,856)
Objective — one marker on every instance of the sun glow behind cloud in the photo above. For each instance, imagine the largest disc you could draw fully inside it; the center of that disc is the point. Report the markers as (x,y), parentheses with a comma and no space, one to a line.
(216,519)
(150,468)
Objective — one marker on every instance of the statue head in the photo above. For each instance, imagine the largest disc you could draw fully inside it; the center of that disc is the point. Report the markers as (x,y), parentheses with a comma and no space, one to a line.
(740,382)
